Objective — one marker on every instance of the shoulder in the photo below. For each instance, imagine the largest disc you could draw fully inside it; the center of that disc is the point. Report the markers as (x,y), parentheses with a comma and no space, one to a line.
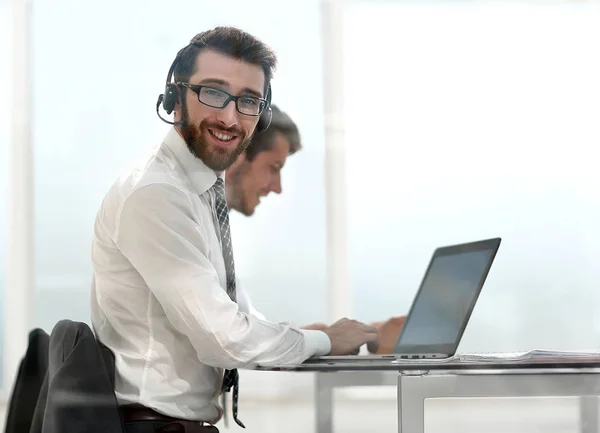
(154,183)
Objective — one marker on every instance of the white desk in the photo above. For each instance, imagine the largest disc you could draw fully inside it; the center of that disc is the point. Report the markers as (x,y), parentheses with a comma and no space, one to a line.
(418,382)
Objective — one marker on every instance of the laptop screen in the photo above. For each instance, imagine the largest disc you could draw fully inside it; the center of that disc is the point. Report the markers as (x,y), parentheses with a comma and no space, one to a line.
(446,298)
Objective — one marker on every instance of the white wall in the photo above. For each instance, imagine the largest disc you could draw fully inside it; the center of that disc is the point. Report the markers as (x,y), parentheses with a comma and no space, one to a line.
(471,121)
(5,136)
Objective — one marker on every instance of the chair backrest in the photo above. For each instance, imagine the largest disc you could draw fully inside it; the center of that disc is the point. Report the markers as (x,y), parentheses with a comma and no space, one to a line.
(78,393)
(28,383)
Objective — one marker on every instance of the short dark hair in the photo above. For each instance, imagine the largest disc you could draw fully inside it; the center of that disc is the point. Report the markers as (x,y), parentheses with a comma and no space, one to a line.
(230,41)
(280,123)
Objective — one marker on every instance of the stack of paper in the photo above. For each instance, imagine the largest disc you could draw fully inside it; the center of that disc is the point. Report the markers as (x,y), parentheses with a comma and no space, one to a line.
(530,356)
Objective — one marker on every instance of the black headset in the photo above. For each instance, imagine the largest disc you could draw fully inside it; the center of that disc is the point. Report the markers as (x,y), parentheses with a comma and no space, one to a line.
(169,98)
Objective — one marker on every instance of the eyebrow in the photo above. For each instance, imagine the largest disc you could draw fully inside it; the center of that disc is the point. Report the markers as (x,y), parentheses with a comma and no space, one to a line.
(224,83)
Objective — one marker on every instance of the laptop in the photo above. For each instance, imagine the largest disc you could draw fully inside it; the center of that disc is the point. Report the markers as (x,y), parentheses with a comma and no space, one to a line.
(442,307)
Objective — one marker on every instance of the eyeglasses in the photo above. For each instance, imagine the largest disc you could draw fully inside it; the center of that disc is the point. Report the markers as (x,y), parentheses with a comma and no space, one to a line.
(217,98)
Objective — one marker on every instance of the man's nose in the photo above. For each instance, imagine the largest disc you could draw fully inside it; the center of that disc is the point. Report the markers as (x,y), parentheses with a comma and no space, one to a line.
(228,115)
(276,185)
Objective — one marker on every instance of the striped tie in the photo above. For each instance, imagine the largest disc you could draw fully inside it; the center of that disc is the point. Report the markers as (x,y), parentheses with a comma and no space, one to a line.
(231,377)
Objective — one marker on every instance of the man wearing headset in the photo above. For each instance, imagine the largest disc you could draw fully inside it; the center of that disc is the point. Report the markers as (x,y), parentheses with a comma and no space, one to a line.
(163,288)
(256,173)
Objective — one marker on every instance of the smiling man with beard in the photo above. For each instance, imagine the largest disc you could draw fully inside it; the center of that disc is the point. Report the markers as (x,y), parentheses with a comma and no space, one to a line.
(164,296)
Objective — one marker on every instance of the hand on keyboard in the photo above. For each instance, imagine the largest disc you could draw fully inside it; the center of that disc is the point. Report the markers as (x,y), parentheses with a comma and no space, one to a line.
(388,333)
(347,336)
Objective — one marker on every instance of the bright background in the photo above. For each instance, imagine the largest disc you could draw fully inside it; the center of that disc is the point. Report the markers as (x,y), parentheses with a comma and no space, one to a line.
(463,120)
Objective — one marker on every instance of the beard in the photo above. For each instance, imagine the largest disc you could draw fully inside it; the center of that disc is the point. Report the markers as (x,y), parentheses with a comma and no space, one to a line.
(214,157)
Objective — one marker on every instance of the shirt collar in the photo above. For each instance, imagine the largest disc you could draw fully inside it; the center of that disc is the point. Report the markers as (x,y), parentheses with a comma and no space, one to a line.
(202,177)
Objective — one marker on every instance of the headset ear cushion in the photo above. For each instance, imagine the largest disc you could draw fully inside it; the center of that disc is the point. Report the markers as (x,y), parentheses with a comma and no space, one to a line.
(170,98)
(265,120)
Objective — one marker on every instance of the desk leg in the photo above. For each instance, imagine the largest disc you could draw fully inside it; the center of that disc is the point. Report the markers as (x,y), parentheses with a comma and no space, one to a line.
(324,403)
(411,412)
(588,414)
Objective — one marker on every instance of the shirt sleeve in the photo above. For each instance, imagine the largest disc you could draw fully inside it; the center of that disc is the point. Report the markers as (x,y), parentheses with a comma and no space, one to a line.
(159,235)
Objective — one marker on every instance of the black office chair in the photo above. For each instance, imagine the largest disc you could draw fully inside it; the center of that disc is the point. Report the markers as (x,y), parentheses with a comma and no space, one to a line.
(77,395)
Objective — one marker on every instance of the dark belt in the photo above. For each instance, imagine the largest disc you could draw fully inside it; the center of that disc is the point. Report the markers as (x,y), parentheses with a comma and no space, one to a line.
(138,413)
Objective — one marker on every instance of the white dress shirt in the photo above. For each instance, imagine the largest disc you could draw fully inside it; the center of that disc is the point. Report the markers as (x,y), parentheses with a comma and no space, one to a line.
(158,291)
